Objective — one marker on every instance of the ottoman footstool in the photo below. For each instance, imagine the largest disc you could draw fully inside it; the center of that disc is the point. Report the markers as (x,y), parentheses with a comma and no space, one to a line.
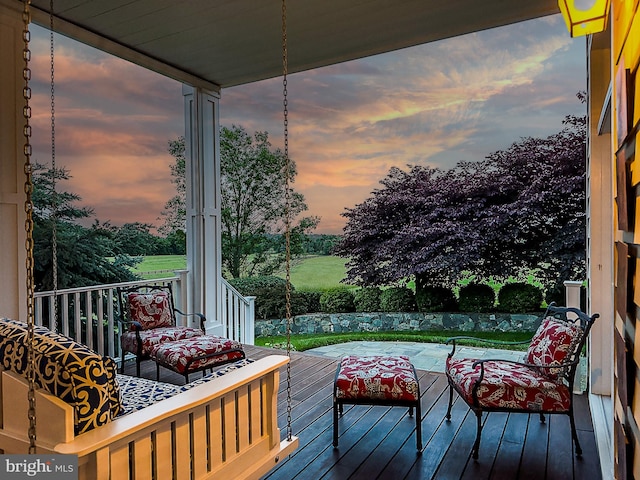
(195,354)
(377,380)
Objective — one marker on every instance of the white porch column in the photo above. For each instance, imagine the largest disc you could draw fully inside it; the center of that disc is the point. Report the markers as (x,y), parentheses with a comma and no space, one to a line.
(13,302)
(600,212)
(204,247)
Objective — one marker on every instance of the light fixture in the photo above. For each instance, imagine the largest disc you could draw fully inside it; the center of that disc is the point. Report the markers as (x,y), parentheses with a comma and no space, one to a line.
(584,17)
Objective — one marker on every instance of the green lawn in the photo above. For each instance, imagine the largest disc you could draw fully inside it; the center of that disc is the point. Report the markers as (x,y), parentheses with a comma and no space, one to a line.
(317,272)
(160,266)
(310,273)
(301,343)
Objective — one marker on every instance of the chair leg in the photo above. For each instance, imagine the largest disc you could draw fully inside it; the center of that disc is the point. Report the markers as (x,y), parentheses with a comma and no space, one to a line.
(450,403)
(574,434)
(335,423)
(542,418)
(411,411)
(419,426)
(122,360)
(476,445)
(138,366)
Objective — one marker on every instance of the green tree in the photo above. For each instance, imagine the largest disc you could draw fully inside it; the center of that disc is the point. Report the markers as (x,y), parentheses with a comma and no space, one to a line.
(175,210)
(136,239)
(253,202)
(81,252)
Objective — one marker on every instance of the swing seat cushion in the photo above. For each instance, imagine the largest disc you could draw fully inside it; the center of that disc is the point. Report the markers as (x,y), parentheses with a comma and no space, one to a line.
(139,393)
(377,377)
(66,369)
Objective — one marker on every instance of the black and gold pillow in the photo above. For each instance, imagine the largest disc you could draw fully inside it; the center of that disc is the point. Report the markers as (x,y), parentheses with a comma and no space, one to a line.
(67,369)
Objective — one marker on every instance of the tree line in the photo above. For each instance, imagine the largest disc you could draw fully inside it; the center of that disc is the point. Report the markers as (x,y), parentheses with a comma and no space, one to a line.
(519,210)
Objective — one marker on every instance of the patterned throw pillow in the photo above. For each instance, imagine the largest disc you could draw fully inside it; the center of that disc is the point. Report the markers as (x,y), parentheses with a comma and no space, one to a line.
(72,372)
(151,310)
(552,344)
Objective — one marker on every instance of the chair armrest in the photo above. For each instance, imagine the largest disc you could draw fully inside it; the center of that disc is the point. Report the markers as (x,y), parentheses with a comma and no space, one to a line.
(453,340)
(202,318)
(137,326)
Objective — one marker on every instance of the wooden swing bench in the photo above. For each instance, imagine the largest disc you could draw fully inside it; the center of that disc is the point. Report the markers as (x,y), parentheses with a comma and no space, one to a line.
(223,427)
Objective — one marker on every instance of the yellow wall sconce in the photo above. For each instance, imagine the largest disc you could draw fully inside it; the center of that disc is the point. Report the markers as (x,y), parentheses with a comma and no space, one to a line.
(584,17)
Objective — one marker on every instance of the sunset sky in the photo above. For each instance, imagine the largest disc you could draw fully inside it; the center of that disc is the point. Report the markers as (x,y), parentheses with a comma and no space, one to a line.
(435,104)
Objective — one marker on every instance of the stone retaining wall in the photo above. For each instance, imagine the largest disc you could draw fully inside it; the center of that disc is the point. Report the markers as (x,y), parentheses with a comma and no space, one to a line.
(384,322)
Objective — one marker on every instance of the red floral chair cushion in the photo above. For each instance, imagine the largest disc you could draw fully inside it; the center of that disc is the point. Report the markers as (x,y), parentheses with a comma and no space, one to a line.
(552,343)
(508,385)
(376,377)
(151,310)
(197,353)
(156,336)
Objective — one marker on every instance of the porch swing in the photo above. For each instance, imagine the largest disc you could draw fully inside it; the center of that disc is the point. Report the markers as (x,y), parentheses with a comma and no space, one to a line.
(224,427)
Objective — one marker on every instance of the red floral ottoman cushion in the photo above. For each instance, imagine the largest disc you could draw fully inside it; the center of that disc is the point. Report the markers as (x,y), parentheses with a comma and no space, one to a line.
(376,378)
(156,336)
(508,385)
(198,353)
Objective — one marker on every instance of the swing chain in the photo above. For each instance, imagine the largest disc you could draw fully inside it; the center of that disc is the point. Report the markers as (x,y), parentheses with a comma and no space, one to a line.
(287,213)
(28,208)
(54,173)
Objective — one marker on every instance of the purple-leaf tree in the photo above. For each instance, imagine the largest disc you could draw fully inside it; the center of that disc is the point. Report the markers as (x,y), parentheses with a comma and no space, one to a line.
(519,210)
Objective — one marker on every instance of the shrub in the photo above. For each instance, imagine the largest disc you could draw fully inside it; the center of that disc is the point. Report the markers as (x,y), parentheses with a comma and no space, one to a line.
(271,302)
(312,297)
(337,300)
(476,297)
(367,299)
(519,298)
(431,298)
(248,286)
(397,299)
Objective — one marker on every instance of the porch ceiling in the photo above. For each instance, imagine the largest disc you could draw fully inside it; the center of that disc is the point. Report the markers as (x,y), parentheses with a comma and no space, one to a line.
(230,42)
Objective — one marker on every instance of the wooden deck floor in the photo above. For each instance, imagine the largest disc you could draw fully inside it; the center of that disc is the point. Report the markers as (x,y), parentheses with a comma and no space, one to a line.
(379,442)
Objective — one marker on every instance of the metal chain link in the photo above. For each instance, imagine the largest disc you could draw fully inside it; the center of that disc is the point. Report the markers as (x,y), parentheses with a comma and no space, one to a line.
(54,194)
(287,210)
(28,208)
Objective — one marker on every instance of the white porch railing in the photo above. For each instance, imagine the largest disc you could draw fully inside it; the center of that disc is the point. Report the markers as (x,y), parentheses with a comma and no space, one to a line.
(238,315)
(90,314)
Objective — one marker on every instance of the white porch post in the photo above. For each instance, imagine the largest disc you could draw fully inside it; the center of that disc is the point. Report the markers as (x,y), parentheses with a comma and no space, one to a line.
(204,247)
(600,209)
(13,302)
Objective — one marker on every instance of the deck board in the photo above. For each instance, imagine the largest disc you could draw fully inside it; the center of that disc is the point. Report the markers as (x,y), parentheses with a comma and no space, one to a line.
(379,442)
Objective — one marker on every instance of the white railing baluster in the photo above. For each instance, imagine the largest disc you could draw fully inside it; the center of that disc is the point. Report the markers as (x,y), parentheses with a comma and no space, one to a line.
(100,321)
(38,309)
(64,310)
(110,325)
(77,317)
(88,311)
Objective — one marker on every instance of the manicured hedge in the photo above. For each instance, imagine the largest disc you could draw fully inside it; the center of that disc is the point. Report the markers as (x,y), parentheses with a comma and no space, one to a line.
(397,299)
(367,299)
(519,297)
(337,300)
(476,297)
